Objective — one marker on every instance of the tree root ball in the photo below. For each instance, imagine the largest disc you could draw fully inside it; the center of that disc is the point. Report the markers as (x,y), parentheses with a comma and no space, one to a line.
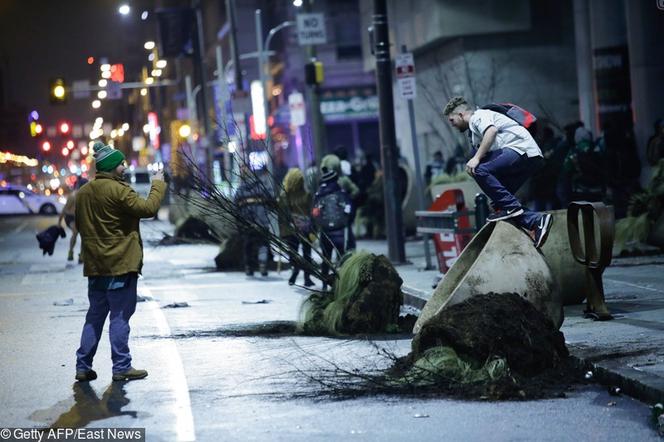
(496,325)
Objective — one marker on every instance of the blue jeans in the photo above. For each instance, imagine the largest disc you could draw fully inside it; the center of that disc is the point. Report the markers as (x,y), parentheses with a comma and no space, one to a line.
(121,303)
(500,174)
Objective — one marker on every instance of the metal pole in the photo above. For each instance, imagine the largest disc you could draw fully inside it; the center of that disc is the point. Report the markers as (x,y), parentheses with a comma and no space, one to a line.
(223,90)
(261,76)
(389,154)
(222,97)
(313,94)
(418,173)
(200,61)
(235,53)
(191,106)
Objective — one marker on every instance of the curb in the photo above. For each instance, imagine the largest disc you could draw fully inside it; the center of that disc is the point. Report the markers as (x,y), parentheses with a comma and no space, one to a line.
(610,372)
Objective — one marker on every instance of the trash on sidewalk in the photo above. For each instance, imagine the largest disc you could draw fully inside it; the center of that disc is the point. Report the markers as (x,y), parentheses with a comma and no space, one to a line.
(262,301)
(176,305)
(615,391)
(588,375)
(64,302)
(418,415)
(143,298)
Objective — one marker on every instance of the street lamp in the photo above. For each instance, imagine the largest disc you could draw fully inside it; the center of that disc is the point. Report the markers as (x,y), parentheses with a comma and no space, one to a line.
(124,9)
(149,45)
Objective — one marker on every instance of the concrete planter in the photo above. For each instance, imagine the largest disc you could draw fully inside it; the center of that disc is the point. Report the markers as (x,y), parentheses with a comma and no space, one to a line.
(501,259)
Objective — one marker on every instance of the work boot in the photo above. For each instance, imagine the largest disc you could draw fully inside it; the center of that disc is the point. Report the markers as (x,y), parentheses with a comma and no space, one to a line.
(263,268)
(130,375)
(70,256)
(86,375)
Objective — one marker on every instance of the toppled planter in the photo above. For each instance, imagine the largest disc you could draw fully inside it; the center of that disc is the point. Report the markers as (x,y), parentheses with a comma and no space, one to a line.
(495,326)
(366,299)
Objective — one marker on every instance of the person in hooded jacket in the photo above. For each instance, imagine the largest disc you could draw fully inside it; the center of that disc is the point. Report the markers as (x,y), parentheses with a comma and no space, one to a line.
(252,198)
(295,221)
(332,235)
(333,162)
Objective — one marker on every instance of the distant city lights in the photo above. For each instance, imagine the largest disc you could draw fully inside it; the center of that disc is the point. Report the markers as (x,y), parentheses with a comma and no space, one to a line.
(149,45)
(91,60)
(34,115)
(103,82)
(124,9)
(96,104)
(144,15)
(161,64)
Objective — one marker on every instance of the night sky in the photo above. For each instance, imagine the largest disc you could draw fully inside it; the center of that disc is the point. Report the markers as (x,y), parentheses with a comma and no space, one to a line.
(43,39)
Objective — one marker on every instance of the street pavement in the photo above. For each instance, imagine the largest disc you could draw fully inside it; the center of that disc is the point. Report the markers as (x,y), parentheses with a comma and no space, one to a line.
(206,384)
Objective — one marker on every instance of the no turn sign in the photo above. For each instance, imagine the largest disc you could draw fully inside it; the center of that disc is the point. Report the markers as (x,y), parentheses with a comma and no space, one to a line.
(311,29)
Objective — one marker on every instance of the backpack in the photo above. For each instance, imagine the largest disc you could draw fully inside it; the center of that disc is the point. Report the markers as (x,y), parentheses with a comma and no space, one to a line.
(332,211)
(516,113)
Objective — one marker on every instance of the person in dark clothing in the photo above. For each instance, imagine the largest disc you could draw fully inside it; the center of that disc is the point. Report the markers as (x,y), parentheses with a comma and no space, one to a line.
(543,186)
(332,211)
(435,168)
(251,198)
(623,165)
(564,182)
(295,221)
(585,165)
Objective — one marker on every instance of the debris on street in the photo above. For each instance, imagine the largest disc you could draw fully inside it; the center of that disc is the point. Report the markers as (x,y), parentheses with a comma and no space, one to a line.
(366,299)
(64,303)
(176,305)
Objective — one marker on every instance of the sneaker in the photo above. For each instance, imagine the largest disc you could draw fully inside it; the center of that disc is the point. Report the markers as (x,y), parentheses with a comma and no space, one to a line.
(308,282)
(86,375)
(130,375)
(542,230)
(501,214)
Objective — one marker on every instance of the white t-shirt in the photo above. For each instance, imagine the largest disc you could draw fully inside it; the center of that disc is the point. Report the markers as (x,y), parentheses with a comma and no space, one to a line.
(510,133)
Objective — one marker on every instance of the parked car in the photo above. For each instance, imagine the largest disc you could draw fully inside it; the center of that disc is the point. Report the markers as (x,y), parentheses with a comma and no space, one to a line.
(16,200)
(139,179)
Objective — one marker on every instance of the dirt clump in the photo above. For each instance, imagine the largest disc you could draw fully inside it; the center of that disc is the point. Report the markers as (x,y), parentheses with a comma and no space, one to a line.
(496,326)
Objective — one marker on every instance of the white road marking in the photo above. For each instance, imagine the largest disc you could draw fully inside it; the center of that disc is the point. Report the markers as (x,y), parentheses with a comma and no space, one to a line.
(634,285)
(184,419)
(20,227)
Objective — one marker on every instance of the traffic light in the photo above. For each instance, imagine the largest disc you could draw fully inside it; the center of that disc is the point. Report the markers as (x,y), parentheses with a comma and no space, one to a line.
(58,91)
(313,72)
(36,129)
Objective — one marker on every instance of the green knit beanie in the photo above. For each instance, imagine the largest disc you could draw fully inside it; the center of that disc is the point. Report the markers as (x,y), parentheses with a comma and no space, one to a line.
(106,158)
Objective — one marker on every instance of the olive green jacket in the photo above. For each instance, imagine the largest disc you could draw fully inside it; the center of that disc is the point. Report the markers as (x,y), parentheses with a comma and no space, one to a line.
(108,212)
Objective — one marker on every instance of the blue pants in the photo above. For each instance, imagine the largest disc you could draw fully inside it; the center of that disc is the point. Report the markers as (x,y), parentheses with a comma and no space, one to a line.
(500,174)
(121,303)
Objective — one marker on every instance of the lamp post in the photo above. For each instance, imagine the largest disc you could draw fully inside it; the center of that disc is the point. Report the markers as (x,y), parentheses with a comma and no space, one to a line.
(262,48)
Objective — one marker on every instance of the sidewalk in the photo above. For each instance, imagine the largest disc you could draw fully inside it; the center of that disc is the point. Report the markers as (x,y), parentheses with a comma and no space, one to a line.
(627,352)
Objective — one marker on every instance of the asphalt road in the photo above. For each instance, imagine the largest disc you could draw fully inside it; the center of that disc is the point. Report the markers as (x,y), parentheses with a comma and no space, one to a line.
(206,385)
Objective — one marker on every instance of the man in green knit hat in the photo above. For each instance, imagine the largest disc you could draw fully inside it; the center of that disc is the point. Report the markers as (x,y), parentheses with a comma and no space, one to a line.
(108,213)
